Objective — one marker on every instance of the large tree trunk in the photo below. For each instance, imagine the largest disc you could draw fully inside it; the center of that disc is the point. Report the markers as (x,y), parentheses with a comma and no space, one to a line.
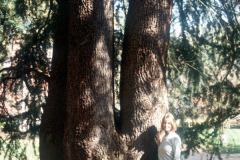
(90,123)
(54,116)
(143,78)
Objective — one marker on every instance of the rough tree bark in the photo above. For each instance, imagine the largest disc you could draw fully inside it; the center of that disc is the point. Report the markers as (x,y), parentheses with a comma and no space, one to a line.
(90,124)
(85,102)
(143,78)
(54,116)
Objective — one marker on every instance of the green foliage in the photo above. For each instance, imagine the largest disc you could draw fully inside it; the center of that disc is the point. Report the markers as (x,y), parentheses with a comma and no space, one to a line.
(203,69)
(26,36)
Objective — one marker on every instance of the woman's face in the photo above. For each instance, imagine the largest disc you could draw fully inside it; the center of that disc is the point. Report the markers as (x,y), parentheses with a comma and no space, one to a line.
(167,125)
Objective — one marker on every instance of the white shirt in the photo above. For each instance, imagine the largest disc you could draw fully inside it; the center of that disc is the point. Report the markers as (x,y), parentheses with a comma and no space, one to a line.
(170,147)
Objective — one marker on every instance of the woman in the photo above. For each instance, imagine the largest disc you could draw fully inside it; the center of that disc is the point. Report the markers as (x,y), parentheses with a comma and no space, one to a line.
(169,143)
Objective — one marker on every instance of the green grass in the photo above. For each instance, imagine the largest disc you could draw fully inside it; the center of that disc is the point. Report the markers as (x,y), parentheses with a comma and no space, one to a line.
(232,143)
(230,146)
(24,149)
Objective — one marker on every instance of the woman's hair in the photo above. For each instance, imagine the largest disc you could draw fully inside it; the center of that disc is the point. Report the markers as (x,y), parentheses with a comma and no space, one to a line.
(170,118)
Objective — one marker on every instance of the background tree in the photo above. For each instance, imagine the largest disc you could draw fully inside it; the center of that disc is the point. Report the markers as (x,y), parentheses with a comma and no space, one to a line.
(143,93)
(54,116)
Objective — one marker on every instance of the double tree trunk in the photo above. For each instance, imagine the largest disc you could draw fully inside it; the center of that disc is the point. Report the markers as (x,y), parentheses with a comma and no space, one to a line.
(78,122)
(54,116)
(90,124)
(143,90)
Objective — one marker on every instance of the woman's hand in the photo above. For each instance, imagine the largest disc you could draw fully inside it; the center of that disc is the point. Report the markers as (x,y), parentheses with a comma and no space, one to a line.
(157,139)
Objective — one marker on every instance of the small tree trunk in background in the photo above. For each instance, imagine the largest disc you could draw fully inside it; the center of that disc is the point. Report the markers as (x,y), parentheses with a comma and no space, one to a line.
(90,122)
(54,116)
(143,78)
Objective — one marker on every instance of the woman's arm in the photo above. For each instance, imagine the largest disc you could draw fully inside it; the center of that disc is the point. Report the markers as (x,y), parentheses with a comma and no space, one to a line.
(177,148)
(157,139)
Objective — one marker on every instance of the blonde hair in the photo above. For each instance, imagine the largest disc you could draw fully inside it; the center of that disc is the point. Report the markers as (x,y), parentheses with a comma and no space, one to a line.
(170,118)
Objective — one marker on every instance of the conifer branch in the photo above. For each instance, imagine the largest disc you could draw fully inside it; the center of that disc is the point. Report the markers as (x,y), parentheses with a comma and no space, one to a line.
(26,70)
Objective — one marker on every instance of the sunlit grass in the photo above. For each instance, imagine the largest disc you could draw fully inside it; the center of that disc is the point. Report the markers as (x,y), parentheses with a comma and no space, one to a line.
(232,143)
(26,149)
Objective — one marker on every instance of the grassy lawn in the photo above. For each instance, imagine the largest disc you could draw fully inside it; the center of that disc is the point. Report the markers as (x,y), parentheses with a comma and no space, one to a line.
(231,146)
(24,150)
(232,141)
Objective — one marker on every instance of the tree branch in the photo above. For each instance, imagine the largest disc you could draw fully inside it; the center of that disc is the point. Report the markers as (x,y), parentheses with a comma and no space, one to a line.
(26,70)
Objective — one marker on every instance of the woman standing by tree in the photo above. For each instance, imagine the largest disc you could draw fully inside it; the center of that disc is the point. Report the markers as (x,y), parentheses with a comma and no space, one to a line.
(169,143)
